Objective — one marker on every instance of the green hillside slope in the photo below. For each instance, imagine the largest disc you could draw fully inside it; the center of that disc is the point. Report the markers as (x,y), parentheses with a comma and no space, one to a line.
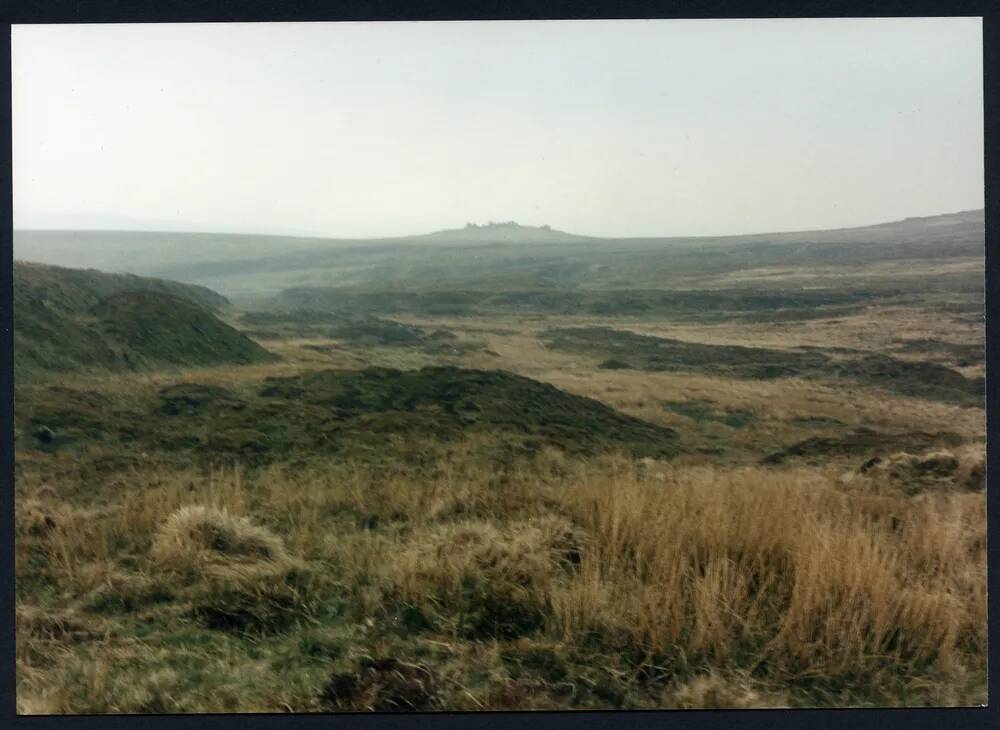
(68,319)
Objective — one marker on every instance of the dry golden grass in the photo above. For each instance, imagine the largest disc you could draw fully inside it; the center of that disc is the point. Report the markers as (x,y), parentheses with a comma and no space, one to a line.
(759,566)
(198,540)
(741,587)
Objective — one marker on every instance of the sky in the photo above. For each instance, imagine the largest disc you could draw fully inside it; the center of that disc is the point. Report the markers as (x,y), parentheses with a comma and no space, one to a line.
(605,128)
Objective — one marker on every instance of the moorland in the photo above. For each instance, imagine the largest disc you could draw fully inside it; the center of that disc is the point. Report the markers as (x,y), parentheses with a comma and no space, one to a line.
(500,467)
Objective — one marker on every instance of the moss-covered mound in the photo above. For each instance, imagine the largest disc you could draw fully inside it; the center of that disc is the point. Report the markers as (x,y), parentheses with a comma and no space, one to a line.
(448,400)
(151,328)
(70,319)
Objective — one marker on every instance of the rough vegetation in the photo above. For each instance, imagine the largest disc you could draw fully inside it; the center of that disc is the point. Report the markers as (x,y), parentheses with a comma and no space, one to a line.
(592,587)
(861,441)
(717,305)
(761,484)
(156,329)
(357,329)
(645,352)
(377,412)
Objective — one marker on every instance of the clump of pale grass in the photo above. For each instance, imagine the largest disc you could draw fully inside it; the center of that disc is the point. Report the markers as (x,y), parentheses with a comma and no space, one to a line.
(496,577)
(208,541)
(242,577)
(525,552)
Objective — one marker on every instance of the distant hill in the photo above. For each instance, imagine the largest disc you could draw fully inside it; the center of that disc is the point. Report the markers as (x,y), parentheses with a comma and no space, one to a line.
(496,257)
(68,319)
(509,232)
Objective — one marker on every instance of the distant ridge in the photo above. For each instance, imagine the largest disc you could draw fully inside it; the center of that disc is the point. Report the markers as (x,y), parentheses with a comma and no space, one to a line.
(216,259)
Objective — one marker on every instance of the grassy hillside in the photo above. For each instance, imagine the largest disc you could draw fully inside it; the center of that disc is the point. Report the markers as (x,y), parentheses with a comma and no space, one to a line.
(67,319)
(76,290)
(156,329)
(472,264)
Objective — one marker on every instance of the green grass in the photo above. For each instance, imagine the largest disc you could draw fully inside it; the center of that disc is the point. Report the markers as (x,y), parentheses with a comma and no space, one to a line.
(68,320)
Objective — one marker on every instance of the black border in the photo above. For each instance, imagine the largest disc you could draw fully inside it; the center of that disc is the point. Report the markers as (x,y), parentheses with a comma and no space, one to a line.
(94,11)
(129,11)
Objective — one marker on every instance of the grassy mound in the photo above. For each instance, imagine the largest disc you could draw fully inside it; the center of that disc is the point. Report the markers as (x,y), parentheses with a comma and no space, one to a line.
(201,540)
(449,401)
(67,319)
(371,415)
(484,581)
(153,328)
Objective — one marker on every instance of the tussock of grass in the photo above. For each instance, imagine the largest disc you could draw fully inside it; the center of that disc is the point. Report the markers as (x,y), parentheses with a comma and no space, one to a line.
(249,582)
(198,539)
(489,581)
(34,517)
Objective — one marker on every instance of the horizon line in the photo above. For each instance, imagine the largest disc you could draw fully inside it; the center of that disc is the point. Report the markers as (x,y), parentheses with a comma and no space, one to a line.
(323,237)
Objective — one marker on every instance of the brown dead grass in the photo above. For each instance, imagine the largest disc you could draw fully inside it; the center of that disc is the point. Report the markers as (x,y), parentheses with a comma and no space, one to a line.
(197,539)
(782,568)
(742,584)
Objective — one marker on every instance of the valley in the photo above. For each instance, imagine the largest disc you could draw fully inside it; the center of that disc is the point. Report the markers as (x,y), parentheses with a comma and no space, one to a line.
(502,467)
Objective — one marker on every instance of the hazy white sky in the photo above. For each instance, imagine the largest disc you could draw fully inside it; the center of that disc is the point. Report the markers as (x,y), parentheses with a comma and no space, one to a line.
(615,128)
